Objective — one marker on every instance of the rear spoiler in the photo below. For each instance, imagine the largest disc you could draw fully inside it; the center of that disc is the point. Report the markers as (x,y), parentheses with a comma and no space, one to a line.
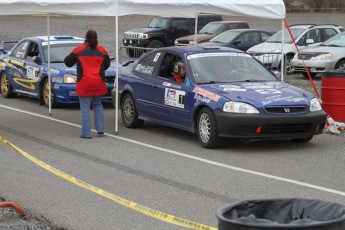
(6,45)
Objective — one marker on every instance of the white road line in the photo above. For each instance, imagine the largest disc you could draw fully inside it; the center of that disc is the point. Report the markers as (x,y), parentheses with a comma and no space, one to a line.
(190,156)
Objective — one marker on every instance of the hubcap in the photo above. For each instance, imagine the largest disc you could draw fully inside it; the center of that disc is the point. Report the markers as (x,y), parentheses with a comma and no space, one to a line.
(128,110)
(46,93)
(4,84)
(204,127)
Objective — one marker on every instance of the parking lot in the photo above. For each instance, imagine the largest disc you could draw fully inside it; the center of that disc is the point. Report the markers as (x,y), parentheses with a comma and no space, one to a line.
(156,167)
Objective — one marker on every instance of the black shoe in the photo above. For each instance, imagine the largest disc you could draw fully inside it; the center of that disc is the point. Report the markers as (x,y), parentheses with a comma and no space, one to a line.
(81,136)
(100,134)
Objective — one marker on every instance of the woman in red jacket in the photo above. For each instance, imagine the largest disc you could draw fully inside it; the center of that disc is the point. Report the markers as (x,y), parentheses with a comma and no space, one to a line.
(92,60)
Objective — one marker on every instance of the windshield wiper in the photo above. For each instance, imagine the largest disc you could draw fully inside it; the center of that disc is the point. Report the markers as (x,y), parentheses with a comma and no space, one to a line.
(333,45)
(273,41)
(253,80)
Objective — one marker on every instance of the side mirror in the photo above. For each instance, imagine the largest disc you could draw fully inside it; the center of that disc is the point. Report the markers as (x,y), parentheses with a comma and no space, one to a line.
(309,41)
(237,43)
(36,59)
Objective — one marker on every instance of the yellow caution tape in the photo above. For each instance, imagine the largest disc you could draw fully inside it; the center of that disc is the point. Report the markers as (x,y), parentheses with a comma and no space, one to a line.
(129,204)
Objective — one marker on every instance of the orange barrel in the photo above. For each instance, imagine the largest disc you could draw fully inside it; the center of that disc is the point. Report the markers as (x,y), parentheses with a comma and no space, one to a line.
(333,94)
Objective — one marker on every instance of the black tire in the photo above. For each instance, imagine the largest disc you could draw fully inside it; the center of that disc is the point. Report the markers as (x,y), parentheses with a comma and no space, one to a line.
(302,140)
(6,87)
(45,95)
(129,113)
(312,75)
(155,44)
(340,65)
(207,130)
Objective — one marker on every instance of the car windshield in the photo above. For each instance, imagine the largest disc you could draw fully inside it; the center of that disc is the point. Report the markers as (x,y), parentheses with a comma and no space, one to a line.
(277,37)
(208,68)
(338,41)
(212,28)
(58,52)
(225,37)
(159,22)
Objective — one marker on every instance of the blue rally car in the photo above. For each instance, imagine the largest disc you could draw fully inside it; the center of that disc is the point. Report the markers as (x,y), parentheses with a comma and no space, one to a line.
(24,70)
(226,94)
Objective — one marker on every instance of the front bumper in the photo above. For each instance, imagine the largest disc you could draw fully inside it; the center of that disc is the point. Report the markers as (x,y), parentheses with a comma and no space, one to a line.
(136,42)
(66,93)
(260,126)
(320,66)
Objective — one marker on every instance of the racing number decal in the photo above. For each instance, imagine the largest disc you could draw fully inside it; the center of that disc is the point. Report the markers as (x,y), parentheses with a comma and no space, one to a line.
(174,97)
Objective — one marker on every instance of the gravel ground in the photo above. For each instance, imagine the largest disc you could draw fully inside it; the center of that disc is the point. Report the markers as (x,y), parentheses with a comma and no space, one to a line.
(77,26)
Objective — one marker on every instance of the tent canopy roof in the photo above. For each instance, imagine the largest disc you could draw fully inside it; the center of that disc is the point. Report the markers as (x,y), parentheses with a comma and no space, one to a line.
(270,9)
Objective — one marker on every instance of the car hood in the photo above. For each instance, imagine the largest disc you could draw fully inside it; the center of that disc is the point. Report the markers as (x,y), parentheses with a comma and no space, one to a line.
(61,68)
(145,30)
(269,47)
(324,49)
(199,37)
(261,94)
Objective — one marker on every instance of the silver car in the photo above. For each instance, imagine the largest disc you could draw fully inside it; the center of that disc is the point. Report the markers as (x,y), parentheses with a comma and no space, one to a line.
(329,55)
(269,52)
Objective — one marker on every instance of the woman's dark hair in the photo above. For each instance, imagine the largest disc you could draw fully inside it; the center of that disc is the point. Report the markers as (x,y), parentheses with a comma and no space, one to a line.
(91,38)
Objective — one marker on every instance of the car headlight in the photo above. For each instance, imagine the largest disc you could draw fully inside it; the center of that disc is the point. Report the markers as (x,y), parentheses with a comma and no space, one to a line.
(239,107)
(69,79)
(144,36)
(315,105)
(327,56)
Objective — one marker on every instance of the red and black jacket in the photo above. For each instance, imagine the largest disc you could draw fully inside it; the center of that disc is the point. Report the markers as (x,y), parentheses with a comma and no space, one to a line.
(91,66)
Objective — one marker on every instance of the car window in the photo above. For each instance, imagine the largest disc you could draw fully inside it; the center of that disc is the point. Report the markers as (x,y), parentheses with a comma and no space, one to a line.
(159,22)
(254,37)
(148,64)
(212,28)
(336,41)
(234,26)
(180,24)
(58,52)
(227,67)
(225,37)
(277,37)
(327,33)
(33,51)
(20,50)
(264,36)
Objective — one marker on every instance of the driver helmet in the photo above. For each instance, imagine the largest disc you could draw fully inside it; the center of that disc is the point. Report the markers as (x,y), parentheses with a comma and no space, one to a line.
(177,67)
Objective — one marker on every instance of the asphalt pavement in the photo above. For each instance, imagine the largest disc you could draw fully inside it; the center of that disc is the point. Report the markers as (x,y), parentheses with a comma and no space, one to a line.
(160,168)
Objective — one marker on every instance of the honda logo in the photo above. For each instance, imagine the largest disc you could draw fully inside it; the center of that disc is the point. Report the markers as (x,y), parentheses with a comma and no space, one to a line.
(287,110)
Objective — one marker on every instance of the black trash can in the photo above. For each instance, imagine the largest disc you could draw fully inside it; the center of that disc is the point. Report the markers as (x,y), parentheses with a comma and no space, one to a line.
(280,214)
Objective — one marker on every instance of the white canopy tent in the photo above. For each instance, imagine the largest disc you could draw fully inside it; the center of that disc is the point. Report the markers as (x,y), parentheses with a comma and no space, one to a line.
(268,9)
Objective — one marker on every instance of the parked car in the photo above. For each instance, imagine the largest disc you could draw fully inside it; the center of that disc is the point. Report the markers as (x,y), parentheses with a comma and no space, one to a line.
(25,70)
(227,94)
(241,39)
(297,4)
(269,52)
(209,31)
(329,55)
(6,45)
(162,31)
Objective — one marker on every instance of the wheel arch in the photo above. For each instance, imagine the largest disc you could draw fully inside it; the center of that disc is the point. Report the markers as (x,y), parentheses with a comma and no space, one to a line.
(196,113)
(342,59)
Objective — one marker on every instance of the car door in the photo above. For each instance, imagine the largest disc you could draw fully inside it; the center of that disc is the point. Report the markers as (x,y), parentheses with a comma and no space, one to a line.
(22,71)
(178,27)
(171,97)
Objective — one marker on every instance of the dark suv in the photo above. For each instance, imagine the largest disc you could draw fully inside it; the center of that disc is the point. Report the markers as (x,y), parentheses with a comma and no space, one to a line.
(162,31)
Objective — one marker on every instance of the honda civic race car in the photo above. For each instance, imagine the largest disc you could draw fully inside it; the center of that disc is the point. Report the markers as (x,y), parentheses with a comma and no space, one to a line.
(226,94)
(24,70)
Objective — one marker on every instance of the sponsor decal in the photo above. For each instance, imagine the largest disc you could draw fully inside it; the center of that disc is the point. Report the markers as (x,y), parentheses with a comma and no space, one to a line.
(276,98)
(267,91)
(258,87)
(174,97)
(144,69)
(206,93)
(156,57)
(235,89)
(32,73)
(198,97)
(168,84)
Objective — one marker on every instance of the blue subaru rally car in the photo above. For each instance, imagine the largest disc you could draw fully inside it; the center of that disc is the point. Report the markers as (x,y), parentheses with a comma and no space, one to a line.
(24,70)
(226,94)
